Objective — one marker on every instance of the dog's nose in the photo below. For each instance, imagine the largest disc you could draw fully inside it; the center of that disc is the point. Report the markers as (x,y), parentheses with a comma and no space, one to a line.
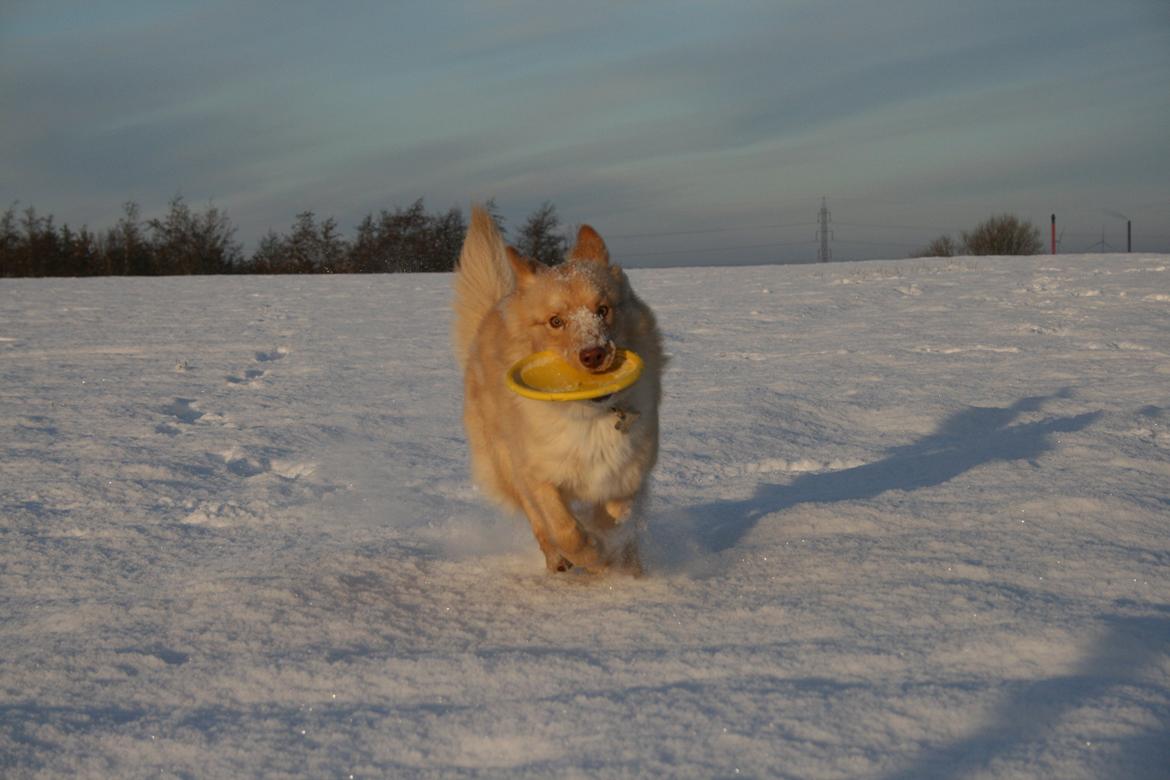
(592,358)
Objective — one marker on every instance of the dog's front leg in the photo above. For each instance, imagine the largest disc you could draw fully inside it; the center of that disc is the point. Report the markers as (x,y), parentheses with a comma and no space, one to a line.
(607,517)
(553,560)
(546,508)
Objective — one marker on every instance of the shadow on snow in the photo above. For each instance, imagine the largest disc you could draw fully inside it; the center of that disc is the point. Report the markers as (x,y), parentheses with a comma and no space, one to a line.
(1118,665)
(1129,648)
(969,438)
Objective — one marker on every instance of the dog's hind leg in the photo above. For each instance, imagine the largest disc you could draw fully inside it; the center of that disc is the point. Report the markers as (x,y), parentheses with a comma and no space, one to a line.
(547,510)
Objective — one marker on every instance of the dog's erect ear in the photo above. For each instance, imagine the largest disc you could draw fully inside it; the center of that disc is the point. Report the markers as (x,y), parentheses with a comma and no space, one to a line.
(523,268)
(589,246)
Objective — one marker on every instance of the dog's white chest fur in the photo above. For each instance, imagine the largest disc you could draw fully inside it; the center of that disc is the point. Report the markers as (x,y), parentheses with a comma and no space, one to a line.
(592,453)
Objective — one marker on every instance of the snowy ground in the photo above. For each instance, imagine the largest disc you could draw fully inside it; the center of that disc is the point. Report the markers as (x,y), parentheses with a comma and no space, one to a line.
(911,520)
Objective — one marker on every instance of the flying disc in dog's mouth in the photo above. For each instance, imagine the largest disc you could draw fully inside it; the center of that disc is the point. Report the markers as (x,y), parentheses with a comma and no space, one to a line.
(546,376)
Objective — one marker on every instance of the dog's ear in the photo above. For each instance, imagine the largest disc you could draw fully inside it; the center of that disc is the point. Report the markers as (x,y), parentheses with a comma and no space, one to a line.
(523,268)
(589,246)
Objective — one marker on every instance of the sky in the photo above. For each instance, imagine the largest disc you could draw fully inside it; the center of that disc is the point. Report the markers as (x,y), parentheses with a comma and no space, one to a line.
(685,132)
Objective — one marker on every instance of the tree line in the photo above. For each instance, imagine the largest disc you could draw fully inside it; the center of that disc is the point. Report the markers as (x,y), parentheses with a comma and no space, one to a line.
(186,241)
(411,239)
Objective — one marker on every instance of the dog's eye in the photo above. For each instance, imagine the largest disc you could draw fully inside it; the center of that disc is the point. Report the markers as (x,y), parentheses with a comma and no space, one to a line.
(603,311)
(556,321)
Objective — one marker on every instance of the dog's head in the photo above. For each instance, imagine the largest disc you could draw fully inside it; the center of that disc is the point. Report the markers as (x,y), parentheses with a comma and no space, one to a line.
(578,308)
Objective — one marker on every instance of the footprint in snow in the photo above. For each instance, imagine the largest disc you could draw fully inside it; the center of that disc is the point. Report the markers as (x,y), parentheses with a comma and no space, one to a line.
(239,462)
(183,410)
(276,354)
(250,376)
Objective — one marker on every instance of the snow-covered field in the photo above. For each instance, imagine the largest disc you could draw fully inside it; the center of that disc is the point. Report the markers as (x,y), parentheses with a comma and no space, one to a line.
(911,520)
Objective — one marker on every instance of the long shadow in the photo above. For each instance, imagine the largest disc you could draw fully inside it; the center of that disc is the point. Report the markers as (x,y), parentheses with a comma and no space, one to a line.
(1131,649)
(969,438)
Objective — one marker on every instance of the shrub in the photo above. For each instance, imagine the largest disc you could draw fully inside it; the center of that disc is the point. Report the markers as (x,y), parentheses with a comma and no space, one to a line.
(943,246)
(1005,234)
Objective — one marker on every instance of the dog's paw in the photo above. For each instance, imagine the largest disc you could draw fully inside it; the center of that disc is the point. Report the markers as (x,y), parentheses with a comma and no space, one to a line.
(557,563)
(624,560)
(628,561)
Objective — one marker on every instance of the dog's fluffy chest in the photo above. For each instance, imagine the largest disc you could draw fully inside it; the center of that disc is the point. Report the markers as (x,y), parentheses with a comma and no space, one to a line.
(594,454)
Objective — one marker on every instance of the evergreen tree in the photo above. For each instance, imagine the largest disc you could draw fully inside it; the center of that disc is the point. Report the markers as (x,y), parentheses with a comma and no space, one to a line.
(540,239)
(269,255)
(447,232)
(80,253)
(364,256)
(10,243)
(187,243)
(408,240)
(125,250)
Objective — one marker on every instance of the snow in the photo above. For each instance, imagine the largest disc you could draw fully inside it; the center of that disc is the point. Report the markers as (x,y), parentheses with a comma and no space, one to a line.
(910,520)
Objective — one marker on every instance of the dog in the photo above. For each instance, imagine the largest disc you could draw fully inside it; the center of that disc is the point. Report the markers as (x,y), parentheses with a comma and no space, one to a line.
(576,469)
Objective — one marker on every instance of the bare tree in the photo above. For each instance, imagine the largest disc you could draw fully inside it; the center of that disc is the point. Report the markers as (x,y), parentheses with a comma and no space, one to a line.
(1005,234)
(943,246)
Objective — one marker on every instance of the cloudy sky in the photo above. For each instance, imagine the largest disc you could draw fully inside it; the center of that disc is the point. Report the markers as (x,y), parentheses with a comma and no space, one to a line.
(686,132)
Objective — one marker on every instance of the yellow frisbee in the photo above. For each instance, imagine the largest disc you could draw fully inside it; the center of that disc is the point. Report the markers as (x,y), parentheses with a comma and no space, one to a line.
(546,376)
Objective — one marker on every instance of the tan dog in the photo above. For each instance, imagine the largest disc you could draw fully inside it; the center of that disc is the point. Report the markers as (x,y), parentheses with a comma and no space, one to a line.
(552,458)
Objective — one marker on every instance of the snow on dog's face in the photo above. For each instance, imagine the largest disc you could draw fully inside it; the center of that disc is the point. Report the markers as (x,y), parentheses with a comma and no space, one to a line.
(575,308)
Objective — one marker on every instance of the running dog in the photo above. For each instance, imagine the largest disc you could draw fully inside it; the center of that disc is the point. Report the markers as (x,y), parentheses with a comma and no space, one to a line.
(576,469)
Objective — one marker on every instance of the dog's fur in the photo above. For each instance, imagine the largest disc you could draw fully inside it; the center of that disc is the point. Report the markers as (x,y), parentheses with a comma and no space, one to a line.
(549,459)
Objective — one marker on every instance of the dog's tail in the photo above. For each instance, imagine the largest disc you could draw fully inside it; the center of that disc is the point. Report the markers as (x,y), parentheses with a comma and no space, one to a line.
(482,278)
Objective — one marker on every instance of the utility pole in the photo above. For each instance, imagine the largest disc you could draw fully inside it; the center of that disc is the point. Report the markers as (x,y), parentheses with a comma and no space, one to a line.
(824,254)
(1053,234)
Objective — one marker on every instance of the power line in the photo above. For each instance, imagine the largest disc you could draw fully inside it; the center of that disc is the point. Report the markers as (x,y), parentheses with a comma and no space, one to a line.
(716,249)
(895,227)
(711,230)
(873,243)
